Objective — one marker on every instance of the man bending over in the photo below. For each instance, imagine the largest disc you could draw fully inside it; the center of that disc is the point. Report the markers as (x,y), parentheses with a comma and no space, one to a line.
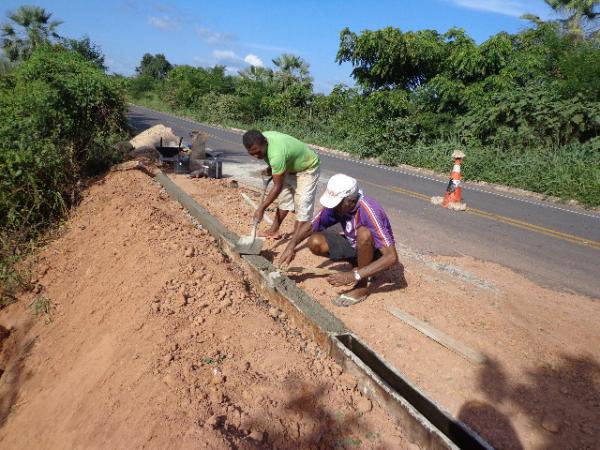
(367,241)
(295,170)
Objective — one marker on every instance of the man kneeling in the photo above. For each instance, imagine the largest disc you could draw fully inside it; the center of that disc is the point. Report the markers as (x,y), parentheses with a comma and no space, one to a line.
(367,241)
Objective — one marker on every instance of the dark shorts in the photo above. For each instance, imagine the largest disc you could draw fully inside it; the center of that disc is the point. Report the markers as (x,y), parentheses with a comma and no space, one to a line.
(341,250)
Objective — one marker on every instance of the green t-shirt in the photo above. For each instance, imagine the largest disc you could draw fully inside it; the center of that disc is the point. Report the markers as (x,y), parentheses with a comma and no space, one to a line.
(286,153)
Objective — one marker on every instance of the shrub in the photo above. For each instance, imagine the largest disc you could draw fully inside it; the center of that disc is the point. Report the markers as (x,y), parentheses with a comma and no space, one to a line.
(58,116)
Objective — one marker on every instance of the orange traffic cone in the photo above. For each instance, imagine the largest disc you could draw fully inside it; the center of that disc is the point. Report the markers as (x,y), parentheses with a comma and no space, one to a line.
(452,199)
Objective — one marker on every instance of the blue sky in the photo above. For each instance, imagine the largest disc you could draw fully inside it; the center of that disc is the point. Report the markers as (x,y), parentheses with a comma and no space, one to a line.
(239,33)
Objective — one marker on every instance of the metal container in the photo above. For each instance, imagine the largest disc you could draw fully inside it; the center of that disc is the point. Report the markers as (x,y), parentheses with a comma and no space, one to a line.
(213,168)
(182,164)
(168,151)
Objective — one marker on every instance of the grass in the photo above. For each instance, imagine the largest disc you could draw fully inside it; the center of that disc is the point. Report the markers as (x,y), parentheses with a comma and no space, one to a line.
(347,442)
(211,361)
(41,306)
(14,274)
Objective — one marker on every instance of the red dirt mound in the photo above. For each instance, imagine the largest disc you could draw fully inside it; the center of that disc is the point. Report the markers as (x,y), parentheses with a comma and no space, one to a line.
(154,340)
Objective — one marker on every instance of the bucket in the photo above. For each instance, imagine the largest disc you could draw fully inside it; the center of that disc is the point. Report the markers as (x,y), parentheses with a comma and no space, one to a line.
(213,168)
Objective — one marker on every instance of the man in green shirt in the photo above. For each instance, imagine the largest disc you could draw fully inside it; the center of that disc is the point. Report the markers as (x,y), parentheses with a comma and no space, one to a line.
(295,170)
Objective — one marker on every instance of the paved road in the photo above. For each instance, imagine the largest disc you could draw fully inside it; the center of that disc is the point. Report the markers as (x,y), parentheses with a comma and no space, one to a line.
(555,245)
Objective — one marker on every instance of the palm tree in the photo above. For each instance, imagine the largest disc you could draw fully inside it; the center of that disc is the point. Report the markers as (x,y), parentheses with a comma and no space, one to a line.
(577,17)
(31,27)
(256,73)
(292,69)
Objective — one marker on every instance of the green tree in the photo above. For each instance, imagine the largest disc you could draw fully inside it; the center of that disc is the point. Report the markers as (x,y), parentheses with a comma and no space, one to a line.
(30,27)
(292,69)
(578,18)
(185,85)
(154,66)
(389,58)
(86,48)
(5,65)
(57,118)
(259,74)
(253,86)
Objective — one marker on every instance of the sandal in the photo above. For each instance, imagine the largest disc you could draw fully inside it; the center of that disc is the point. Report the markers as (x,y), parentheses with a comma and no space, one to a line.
(346,300)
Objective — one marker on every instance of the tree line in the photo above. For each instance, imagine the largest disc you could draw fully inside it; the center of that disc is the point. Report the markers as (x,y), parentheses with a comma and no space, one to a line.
(525,107)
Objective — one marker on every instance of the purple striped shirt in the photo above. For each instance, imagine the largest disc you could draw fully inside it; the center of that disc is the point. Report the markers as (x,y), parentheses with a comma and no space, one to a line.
(368,213)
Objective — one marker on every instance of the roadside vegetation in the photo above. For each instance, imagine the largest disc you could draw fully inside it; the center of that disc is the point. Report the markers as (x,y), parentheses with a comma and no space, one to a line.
(59,115)
(524,107)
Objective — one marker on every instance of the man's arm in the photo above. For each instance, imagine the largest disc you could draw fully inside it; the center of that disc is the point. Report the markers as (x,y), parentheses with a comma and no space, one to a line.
(301,232)
(389,257)
(271,196)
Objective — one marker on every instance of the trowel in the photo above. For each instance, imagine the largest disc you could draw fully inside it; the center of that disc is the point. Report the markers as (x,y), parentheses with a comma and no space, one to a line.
(251,245)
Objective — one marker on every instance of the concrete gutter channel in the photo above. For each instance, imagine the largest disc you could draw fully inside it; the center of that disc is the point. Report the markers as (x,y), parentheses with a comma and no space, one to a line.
(425,423)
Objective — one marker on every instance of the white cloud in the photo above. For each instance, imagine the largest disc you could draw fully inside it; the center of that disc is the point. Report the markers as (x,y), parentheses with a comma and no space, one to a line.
(213,37)
(253,60)
(232,57)
(226,55)
(505,7)
(165,23)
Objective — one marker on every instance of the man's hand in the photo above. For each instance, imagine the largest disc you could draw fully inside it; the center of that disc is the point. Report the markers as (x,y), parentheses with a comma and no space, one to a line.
(341,279)
(258,215)
(287,256)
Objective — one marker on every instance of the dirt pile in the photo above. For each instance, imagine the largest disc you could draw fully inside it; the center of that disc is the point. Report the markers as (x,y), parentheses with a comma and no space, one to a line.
(153,136)
(155,340)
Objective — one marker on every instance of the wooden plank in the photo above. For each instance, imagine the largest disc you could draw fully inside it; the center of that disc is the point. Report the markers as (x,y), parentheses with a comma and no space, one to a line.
(310,270)
(441,338)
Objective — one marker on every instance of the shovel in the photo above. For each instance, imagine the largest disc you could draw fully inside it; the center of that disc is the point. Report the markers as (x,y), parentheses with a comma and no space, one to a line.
(251,245)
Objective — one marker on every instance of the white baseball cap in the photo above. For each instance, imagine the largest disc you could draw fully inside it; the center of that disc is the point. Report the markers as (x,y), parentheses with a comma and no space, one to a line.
(339,187)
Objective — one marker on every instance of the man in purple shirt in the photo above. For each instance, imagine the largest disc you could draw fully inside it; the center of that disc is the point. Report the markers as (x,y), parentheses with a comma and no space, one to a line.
(367,240)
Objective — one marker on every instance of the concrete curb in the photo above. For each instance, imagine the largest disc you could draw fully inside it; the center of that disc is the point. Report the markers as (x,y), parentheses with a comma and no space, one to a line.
(425,423)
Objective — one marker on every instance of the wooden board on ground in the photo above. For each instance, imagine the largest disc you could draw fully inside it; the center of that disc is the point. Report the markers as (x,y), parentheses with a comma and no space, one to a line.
(310,271)
(438,336)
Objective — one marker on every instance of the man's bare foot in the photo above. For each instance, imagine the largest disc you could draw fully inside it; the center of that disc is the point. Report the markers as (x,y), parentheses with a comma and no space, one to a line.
(269,234)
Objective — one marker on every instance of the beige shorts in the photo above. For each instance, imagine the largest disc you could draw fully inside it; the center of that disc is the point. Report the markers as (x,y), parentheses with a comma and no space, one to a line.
(299,192)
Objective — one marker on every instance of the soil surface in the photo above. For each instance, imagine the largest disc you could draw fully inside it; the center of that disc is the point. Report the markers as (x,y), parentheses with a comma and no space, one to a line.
(540,385)
(147,337)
